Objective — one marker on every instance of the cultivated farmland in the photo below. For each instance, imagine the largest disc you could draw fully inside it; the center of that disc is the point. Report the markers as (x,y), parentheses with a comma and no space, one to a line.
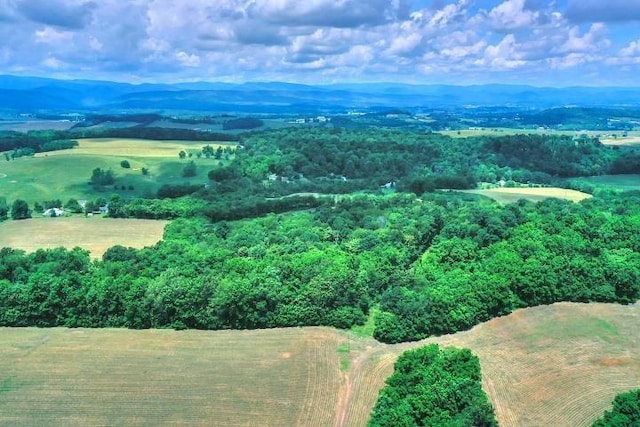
(113,377)
(535,194)
(555,365)
(95,234)
(65,174)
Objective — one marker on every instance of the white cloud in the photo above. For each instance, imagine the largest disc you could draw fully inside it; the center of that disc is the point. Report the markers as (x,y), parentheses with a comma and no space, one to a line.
(511,15)
(631,50)
(53,63)
(504,55)
(188,60)
(50,35)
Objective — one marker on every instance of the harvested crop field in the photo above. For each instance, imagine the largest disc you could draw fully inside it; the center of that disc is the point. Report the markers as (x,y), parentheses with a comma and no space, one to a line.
(557,365)
(161,377)
(535,194)
(96,234)
(621,141)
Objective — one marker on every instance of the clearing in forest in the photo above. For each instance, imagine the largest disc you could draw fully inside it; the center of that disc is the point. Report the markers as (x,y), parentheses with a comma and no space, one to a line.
(557,365)
(95,234)
(535,194)
(135,147)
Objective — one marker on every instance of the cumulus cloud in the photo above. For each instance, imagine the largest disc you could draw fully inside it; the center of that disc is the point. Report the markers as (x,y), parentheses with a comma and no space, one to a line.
(60,13)
(512,15)
(592,40)
(631,50)
(446,40)
(603,11)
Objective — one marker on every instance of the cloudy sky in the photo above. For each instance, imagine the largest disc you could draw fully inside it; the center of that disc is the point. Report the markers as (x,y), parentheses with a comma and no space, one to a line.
(543,43)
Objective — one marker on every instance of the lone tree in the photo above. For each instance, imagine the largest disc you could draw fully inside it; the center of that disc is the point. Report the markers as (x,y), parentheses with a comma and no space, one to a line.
(4,209)
(189,170)
(20,210)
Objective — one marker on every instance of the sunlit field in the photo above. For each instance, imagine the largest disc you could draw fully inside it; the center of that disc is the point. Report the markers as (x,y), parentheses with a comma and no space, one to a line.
(66,174)
(551,365)
(96,234)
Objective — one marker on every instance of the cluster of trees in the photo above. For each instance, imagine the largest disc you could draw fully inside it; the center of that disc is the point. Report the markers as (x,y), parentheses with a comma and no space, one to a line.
(434,387)
(23,143)
(101,177)
(625,412)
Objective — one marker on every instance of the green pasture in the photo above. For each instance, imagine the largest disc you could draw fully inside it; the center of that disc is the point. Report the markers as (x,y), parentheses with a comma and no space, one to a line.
(66,174)
(615,182)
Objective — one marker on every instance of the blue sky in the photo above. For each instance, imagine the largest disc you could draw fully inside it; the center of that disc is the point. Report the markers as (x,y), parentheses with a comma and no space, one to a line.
(542,43)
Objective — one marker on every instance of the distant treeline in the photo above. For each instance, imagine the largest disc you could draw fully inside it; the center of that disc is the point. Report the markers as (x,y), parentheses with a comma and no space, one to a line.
(157,133)
(36,141)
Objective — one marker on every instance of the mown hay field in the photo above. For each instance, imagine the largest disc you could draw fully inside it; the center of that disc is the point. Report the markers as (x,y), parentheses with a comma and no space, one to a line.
(509,195)
(96,234)
(66,174)
(557,365)
(135,147)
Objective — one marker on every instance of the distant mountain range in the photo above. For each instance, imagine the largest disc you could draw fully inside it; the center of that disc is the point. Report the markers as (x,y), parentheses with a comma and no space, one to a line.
(35,94)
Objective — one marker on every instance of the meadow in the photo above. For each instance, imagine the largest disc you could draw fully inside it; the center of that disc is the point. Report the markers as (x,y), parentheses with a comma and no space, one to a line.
(66,174)
(535,194)
(618,182)
(96,234)
(549,365)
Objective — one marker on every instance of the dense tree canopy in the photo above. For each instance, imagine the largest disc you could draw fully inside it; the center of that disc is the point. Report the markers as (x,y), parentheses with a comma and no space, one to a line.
(434,387)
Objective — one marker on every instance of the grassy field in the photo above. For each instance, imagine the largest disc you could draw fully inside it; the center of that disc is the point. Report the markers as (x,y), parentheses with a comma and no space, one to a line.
(66,174)
(617,182)
(557,365)
(535,194)
(629,140)
(96,234)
